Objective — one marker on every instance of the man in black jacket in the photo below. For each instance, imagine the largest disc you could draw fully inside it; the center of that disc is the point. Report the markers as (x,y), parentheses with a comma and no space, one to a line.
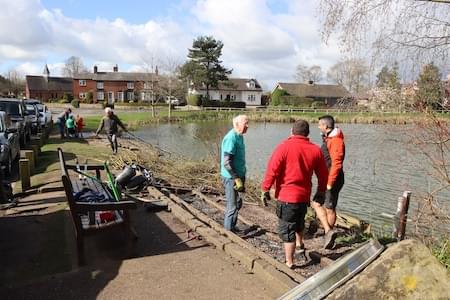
(110,122)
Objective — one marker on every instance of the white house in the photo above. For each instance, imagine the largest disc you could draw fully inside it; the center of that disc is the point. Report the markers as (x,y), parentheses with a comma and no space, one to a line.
(235,89)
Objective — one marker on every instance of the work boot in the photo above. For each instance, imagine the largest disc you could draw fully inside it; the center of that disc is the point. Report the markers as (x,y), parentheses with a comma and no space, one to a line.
(329,237)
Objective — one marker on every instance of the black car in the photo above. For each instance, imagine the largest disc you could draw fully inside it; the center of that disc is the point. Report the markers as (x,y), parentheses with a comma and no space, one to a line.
(34,117)
(9,143)
(16,111)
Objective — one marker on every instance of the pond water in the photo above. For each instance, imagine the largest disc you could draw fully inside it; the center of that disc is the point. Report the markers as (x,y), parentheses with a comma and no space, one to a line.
(379,163)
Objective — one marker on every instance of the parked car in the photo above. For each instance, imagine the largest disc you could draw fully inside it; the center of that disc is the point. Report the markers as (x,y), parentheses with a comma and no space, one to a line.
(9,143)
(15,109)
(34,117)
(172,100)
(45,115)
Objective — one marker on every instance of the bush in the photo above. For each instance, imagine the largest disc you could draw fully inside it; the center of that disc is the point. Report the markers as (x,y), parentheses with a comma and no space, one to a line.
(295,101)
(75,103)
(276,96)
(64,101)
(89,97)
(195,100)
(318,104)
(216,103)
(68,97)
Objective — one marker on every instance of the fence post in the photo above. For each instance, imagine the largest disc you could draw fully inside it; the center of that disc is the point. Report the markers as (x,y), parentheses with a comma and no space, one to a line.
(29,155)
(401,216)
(24,171)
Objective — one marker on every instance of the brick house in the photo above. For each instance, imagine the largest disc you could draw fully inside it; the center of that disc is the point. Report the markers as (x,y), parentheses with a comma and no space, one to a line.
(115,86)
(47,87)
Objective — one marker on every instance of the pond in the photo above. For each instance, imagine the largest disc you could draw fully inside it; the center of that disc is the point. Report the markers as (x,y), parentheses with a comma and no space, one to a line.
(379,164)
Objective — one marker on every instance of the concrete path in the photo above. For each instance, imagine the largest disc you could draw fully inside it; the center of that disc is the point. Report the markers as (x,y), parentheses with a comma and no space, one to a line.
(38,250)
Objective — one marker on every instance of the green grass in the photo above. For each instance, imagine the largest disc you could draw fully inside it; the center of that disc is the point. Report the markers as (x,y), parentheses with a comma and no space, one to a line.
(442,252)
(139,119)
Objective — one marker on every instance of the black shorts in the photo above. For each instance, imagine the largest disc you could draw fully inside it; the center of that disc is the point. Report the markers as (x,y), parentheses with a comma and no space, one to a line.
(291,219)
(331,196)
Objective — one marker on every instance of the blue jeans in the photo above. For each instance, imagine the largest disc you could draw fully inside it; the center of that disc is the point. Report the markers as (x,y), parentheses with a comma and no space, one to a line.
(234,203)
(61,128)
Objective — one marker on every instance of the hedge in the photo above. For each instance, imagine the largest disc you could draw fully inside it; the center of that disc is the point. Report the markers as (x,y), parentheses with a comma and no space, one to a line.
(296,101)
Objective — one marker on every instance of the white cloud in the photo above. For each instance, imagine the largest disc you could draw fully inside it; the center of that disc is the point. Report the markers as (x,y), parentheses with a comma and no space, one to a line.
(257,42)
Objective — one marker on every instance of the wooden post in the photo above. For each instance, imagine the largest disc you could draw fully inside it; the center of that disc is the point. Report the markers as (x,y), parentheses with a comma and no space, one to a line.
(36,151)
(29,155)
(401,216)
(24,170)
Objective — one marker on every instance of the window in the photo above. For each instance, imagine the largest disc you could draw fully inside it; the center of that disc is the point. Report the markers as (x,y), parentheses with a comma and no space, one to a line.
(147,85)
(100,85)
(100,96)
(251,98)
(82,82)
(142,96)
(130,85)
(251,84)
(130,96)
(82,95)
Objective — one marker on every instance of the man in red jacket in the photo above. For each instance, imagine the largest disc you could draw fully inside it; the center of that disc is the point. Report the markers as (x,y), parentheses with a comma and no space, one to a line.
(291,168)
(333,149)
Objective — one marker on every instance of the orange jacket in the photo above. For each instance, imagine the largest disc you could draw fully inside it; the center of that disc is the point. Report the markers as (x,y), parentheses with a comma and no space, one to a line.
(336,148)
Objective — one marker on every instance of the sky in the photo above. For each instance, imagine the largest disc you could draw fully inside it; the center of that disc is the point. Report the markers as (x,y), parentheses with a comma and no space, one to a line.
(263,39)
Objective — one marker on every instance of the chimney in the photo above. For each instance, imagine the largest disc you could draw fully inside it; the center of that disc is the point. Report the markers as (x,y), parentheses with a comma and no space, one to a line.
(116,68)
(156,71)
(95,69)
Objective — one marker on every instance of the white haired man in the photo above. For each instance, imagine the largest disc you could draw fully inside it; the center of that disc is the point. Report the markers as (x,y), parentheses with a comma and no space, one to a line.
(233,170)
(111,122)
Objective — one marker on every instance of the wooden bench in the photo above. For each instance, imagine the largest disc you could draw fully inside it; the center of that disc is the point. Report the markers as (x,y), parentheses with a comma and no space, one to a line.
(88,217)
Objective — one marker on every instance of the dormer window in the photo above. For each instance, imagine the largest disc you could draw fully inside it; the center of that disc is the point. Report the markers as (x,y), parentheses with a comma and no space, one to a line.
(251,84)
(130,85)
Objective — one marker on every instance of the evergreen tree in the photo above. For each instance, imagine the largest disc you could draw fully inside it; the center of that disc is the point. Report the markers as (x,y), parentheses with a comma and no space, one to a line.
(429,85)
(204,66)
(389,78)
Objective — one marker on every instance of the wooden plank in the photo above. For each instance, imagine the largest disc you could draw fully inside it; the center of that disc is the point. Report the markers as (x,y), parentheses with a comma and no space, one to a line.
(233,237)
(220,207)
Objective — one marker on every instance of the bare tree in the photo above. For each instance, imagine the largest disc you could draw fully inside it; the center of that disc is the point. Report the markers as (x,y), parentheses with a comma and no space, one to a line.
(415,30)
(150,66)
(73,65)
(351,73)
(304,73)
(170,82)
(15,82)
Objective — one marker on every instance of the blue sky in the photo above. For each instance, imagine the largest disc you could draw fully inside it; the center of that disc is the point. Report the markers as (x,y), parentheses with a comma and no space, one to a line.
(134,11)
(263,39)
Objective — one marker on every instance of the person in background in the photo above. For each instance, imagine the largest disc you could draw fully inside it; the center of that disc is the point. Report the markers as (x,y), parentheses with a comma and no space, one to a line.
(333,149)
(61,121)
(233,170)
(80,125)
(110,122)
(70,125)
(290,169)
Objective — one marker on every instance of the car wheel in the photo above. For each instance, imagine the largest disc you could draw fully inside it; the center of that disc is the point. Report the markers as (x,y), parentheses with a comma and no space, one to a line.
(23,139)
(28,135)
(9,165)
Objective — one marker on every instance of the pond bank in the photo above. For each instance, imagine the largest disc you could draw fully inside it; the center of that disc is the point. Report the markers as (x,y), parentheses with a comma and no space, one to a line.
(139,119)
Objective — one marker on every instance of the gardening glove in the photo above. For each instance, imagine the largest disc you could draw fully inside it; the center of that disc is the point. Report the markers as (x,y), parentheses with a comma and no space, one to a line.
(265,196)
(319,197)
(239,185)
